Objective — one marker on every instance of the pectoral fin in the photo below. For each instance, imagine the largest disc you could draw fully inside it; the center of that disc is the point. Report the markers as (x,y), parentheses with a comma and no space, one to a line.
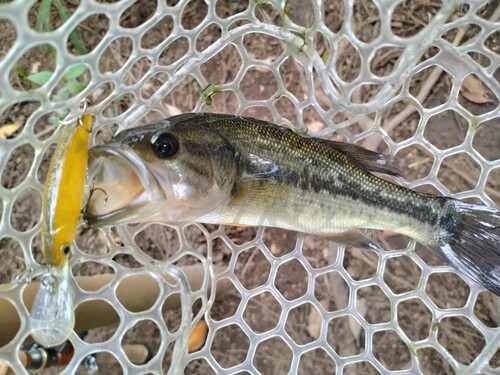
(355,238)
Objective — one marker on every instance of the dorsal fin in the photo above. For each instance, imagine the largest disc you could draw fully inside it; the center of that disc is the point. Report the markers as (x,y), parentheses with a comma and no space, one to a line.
(365,159)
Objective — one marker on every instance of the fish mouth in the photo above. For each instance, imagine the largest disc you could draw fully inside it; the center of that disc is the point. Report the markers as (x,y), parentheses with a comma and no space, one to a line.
(122,187)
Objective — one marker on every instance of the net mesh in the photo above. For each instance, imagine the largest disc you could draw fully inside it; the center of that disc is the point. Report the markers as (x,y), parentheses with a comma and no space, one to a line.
(418,80)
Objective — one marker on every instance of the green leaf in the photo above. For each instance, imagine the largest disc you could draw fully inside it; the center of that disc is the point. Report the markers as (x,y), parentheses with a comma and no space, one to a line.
(75,71)
(207,100)
(75,87)
(61,94)
(78,43)
(21,72)
(325,55)
(61,9)
(64,14)
(43,18)
(40,78)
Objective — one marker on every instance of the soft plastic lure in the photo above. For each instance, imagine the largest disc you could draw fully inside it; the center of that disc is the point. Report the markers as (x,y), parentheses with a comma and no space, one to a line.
(52,313)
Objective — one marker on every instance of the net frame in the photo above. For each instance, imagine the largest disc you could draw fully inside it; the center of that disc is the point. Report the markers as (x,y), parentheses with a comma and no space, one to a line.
(300,45)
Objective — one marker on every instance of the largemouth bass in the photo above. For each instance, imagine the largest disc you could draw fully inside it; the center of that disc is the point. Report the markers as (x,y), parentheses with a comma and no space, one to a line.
(214,168)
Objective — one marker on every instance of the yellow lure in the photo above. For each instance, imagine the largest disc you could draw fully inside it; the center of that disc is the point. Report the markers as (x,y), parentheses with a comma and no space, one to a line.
(64,188)
(52,314)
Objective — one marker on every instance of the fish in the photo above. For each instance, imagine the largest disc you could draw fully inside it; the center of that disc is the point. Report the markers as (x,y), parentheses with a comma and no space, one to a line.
(224,169)
(64,190)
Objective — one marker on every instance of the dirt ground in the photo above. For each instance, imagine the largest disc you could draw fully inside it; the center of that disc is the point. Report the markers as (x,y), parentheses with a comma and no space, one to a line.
(463,341)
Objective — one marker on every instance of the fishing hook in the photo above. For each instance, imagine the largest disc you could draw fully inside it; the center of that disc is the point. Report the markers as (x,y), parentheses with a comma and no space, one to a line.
(93,189)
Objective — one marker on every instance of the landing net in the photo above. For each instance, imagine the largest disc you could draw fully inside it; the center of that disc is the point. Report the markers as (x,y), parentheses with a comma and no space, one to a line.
(418,80)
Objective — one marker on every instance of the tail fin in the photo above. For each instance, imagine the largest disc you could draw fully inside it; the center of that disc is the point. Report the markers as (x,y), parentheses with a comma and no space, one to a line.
(474,250)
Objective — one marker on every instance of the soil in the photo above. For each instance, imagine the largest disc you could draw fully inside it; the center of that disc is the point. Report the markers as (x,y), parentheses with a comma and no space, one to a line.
(458,336)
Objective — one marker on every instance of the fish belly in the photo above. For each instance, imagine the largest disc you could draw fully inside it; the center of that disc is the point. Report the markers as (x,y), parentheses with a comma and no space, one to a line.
(318,213)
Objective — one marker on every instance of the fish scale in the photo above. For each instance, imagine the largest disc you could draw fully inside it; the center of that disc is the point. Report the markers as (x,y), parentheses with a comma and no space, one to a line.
(326,170)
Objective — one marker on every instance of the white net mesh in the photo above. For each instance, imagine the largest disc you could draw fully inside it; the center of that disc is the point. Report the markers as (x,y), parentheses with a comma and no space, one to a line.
(414,79)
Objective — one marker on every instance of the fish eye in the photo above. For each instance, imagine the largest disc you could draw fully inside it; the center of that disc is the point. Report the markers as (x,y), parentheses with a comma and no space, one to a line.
(165,145)
(65,249)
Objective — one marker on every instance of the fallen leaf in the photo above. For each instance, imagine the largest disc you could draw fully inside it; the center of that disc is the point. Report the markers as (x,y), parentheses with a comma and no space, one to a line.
(35,68)
(495,312)
(263,69)
(354,326)
(174,111)
(315,319)
(338,289)
(389,234)
(4,367)
(316,126)
(198,336)
(274,249)
(116,238)
(326,253)
(7,130)
(473,90)
(97,93)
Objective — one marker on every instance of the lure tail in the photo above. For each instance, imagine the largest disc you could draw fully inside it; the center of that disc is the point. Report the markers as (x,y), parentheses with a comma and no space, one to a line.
(474,249)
